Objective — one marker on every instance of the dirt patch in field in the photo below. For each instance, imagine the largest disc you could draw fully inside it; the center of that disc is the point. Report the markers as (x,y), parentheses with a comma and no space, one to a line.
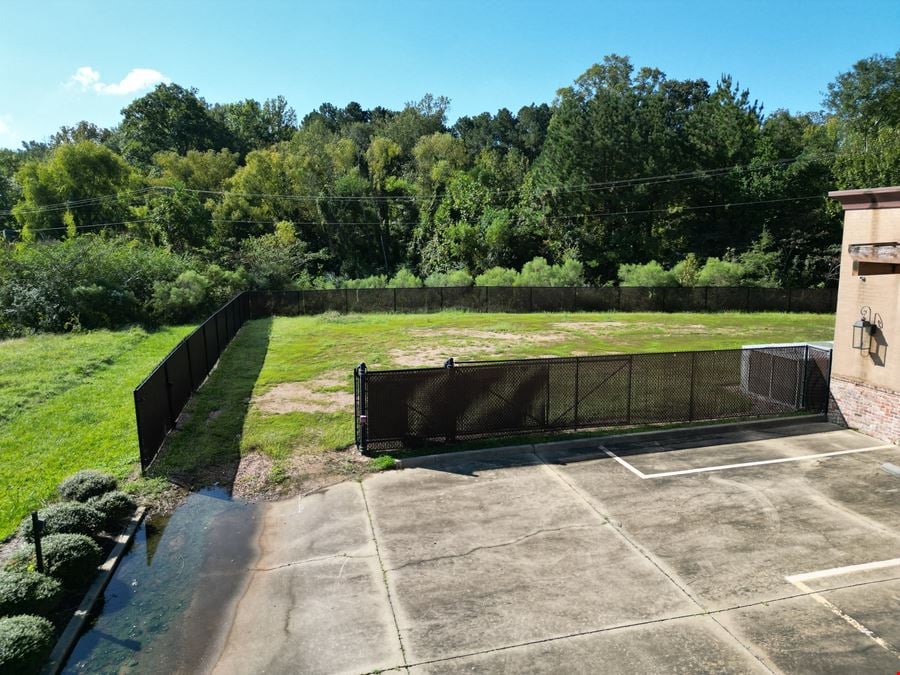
(531,337)
(464,344)
(260,478)
(435,357)
(589,326)
(313,396)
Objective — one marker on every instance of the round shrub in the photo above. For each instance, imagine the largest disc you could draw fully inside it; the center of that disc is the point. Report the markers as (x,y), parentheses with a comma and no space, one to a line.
(83,485)
(71,558)
(28,593)
(114,506)
(65,518)
(25,643)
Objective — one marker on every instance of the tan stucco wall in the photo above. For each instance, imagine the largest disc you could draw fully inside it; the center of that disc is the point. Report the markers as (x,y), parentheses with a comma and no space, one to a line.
(880,292)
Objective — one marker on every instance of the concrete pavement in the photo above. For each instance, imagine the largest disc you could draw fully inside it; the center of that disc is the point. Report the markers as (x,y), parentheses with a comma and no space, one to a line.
(569,561)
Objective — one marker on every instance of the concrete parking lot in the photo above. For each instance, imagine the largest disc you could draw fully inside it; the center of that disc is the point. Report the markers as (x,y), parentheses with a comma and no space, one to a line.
(767,548)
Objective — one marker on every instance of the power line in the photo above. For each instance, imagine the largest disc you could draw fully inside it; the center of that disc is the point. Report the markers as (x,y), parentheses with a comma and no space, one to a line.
(76,203)
(677,209)
(583,187)
(595,215)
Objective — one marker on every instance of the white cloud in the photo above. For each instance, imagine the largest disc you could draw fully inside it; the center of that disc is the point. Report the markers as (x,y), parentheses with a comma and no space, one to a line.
(137,79)
(9,136)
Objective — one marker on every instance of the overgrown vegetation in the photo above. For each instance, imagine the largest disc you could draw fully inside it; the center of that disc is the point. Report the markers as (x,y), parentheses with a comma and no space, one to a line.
(184,202)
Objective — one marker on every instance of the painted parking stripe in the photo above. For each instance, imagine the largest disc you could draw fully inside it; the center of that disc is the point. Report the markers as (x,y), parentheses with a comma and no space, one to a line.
(799,581)
(621,461)
(723,467)
(837,571)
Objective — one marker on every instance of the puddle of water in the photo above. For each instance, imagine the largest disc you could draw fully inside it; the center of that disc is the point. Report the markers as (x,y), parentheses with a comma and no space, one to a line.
(166,603)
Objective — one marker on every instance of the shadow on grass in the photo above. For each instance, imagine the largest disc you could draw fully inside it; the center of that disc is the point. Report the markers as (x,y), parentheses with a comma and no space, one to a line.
(205,448)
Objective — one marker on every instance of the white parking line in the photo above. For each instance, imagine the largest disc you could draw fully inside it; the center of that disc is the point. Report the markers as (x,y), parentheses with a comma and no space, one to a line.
(798,580)
(837,571)
(723,467)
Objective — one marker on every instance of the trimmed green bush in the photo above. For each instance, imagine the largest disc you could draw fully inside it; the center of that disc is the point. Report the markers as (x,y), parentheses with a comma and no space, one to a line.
(65,518)
(71,558)
(85,484)
(25,643)
(28,593)
(114,506)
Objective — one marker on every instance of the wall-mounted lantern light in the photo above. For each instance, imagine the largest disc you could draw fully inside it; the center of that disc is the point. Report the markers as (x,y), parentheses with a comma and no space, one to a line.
(864,330)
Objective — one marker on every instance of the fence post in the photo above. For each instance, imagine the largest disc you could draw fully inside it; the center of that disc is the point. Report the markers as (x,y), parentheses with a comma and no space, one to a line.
(137,419)
(706,298)
(37,527)
(346,301)
(442,298)
(531,298)
(395,301)
(206,346)
(628,404)
(363,419)
(691,399)
(789,298)
(172,416)
(453,416)
(803,381)
(575,419)
(218,339)
(187,349)
(619,298)
(547,398)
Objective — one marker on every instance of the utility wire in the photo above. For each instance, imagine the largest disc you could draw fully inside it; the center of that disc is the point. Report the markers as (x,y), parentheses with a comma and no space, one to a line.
(699,174)
(596,215)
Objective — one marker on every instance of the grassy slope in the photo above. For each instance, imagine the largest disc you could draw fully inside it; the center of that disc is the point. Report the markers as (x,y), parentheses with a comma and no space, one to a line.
(223,426)
(65,405)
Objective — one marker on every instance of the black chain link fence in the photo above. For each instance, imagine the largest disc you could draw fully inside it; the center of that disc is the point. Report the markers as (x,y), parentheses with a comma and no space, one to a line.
(160,398)
(538,299)
(469,400)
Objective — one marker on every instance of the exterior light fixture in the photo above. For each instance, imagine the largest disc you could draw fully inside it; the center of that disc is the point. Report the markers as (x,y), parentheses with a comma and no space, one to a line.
(863,330)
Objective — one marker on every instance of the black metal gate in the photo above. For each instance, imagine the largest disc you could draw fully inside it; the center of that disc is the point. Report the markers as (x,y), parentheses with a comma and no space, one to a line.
(466,400)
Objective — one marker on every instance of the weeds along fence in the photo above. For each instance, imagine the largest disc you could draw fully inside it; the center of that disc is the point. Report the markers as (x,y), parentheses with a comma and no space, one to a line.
(470,400)
(160,398)
(539,299)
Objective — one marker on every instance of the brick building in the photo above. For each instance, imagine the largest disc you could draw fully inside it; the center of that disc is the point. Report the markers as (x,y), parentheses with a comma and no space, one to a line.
(865,375)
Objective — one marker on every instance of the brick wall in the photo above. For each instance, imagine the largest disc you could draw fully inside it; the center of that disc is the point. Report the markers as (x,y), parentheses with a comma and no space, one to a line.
(874,411)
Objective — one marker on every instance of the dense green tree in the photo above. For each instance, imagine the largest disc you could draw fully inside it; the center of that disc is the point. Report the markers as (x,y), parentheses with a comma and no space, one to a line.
(80,184)
(170,118)
(254,125)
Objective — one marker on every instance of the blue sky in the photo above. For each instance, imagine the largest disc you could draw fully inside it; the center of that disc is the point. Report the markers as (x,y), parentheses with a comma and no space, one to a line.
(483,55)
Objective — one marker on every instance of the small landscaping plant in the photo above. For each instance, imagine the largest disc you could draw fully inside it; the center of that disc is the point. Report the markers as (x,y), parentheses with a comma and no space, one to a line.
(25,643)
(65,518)
(114,507)
(71,558)
(28,593)
(85,484)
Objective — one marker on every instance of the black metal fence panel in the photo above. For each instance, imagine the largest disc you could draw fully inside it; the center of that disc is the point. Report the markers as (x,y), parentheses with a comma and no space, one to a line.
(607,390)
(418,407)
(597,299)
(541,299)
(161,397)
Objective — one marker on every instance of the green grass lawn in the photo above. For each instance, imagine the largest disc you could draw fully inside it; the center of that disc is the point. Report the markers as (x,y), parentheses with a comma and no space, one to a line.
(284,387)
(66,404)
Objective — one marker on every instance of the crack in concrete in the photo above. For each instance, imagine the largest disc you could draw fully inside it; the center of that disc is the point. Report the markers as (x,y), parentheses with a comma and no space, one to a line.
(511,542)
(310,560)
(387,588)
(639,549)
(609,629)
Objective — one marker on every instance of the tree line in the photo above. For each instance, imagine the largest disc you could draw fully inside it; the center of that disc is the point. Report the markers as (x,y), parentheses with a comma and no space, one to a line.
(625,169)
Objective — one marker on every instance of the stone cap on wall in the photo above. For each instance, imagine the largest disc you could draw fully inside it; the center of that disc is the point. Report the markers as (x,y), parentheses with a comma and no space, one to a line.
(869,198)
